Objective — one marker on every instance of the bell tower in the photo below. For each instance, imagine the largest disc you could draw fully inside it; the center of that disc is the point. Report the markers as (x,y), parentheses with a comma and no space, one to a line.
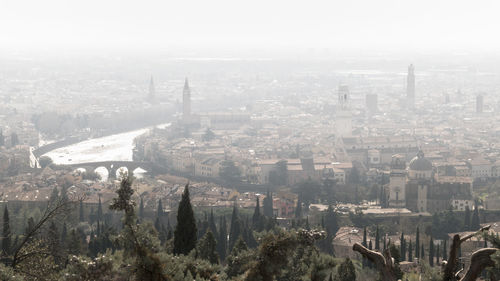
(186,103)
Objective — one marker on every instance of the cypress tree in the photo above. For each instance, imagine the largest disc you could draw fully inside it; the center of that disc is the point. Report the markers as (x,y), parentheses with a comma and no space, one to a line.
(54,242)
(211,223)
(410,252)
(157,224)
(235,228)
(99,210)
(467,219)
(402,247)
(445,251)
(81,217)
(431,252)
(364,237)
(475,224)
(141,209)
(332,225)
(377,239)
(222,243)
(298,209)
(256,219)
(54,195)
(417,244)
(268,205)
(6,233)
(185,230)
(159,211)
(422,253)
(437,254)
(64,234)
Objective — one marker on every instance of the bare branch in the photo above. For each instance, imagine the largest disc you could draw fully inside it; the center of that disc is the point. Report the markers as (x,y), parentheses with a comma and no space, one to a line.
(383,263)
(480,260)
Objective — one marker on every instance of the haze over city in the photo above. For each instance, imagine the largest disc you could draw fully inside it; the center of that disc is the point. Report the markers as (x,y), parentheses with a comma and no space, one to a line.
(256,141)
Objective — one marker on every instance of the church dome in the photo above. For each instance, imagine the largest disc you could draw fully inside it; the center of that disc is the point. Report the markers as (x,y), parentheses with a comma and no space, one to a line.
(419,163)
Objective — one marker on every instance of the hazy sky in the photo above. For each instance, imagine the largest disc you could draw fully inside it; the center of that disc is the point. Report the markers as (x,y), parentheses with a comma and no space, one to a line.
(379,24)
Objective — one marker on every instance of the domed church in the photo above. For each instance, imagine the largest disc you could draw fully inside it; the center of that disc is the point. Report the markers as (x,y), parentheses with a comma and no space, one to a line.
(419,189)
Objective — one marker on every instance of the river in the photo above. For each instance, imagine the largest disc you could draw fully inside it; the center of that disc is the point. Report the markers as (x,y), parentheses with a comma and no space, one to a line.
(118,147)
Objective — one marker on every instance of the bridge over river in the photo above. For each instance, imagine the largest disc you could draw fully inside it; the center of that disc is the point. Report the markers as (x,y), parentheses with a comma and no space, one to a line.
(113,166)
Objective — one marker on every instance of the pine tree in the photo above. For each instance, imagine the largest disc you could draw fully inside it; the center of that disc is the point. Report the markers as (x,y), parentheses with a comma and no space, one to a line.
(346,271)
(417,244)
(222,242)
(2,138)
(377,239)
(467,222)
(235,228)
(475,224)
(431,252)
(185,230)
(6,233)
(206,248)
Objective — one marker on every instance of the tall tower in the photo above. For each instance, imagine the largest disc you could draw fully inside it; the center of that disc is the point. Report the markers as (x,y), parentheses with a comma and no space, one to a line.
(186,103)
(397,182)
(410,86)
(479,103)
(151,95)
(343,120)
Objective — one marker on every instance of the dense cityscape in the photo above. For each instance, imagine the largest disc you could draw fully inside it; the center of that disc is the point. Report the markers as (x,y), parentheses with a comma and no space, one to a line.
(264,142)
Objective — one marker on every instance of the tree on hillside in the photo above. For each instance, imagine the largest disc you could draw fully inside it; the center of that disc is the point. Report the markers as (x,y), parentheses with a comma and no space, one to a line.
(268,205)
(467,221)
(45,161)
(431,252)
(135,240)
(257,220)
(235,227)
(6,233)
(222,241)
(346,271)
(417,244)
(207,248)
(185,230)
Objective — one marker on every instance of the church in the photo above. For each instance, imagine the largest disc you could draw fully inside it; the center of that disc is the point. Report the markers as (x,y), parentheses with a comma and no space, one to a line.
(419,189)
